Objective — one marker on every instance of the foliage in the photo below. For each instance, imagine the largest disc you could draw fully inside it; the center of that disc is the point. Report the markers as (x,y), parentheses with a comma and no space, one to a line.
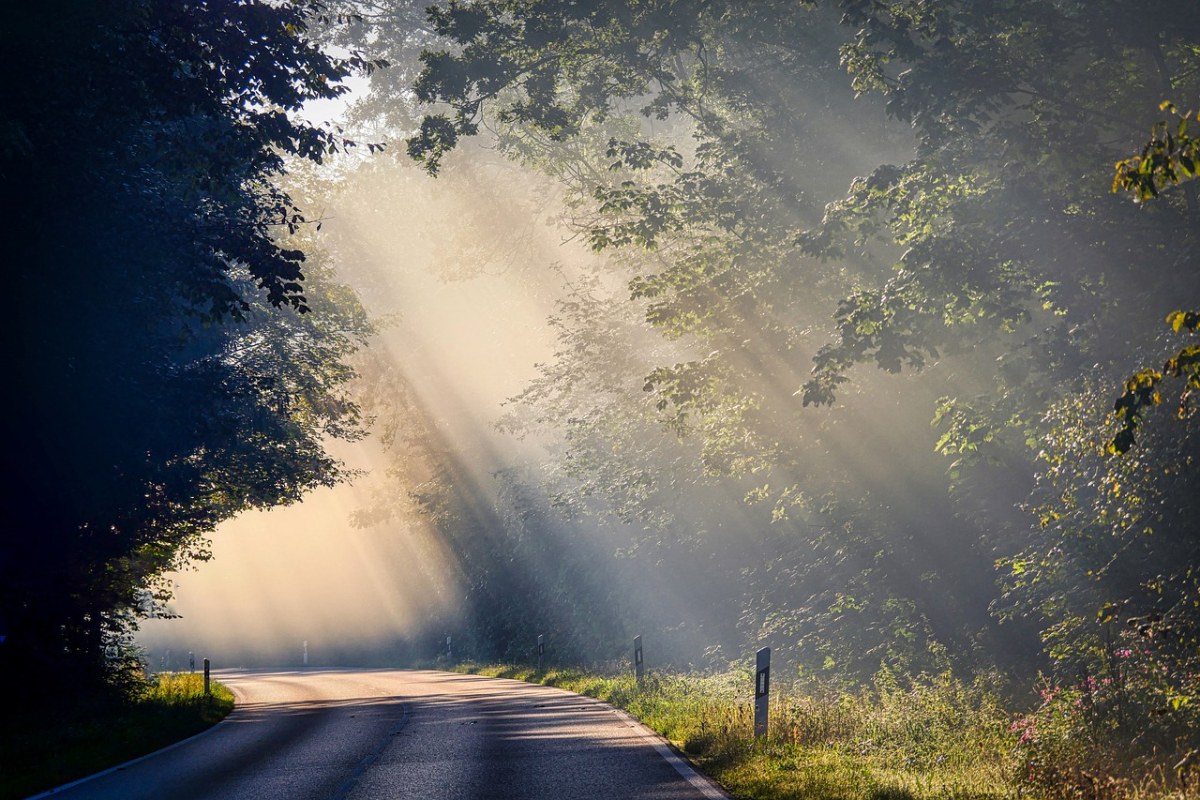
(984,256)
(1166,160)
(175,363)
(394,33)
(1112,573)
(1143,389)
(1073,744)
(708,231)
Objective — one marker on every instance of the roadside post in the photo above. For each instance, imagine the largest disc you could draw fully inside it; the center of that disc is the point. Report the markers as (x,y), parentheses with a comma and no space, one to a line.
(191,661)
(306,652)
(638,667)
(541,650)
(207,691)
(762,689)
(449,652)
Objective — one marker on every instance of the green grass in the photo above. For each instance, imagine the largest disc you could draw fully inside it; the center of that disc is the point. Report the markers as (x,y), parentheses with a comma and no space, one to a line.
(38,752)
(930,737)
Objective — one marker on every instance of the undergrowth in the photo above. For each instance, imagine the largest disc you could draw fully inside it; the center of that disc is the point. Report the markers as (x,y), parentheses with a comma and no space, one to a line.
(66,741)
(900,738)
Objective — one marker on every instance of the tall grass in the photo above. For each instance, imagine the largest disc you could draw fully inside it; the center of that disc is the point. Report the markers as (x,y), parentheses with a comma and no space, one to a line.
(65,742)
(900,738)
(931,736)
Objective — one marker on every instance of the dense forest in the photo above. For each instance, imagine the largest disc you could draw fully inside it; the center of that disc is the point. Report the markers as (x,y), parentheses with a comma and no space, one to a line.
(176,360)
(833,225)
(873,329)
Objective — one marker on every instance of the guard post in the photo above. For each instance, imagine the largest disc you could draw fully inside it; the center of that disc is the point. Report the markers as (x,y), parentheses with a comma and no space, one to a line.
(449,651)
(207,691)
(638,668)
(762,690)
(541,650)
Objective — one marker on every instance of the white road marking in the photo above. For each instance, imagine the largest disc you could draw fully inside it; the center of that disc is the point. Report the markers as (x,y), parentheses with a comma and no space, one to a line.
(706,786)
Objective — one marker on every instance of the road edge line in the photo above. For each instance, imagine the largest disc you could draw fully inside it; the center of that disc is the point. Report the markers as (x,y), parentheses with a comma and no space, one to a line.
(703,783)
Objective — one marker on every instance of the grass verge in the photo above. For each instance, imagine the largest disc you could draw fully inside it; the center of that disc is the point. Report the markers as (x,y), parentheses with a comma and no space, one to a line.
(61,745)
(928,737)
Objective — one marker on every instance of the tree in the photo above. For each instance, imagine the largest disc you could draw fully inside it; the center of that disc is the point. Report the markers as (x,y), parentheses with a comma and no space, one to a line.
(170,372)
(979,251)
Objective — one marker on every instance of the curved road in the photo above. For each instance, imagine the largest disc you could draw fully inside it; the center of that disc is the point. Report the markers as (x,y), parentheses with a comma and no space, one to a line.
(368,735)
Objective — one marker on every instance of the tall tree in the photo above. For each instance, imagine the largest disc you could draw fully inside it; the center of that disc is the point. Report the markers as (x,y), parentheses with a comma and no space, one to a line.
(169,371)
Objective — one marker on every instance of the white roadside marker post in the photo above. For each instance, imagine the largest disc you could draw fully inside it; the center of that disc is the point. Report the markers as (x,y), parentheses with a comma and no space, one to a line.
(639,671)
(541,650)
(762,689)
(306,652)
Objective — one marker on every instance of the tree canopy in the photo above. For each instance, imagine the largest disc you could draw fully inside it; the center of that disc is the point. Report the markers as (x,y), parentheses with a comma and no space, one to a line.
(178,356)
(927,188)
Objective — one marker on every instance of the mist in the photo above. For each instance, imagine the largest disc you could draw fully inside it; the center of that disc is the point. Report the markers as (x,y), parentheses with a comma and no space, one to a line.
(407,335)
(468,273)
(763,371)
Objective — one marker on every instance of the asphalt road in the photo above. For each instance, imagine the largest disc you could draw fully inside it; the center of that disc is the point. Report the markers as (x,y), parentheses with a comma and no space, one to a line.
(368,735)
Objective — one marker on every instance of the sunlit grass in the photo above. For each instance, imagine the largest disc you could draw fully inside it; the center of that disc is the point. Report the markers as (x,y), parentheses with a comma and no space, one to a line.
(929,737)
(47,749)
(932,737)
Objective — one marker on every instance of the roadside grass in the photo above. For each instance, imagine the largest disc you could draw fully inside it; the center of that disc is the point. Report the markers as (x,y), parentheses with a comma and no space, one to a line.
(899,739)
(64,744)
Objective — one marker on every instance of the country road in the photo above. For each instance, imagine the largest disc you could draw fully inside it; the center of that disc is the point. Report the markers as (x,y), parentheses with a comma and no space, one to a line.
(368,735)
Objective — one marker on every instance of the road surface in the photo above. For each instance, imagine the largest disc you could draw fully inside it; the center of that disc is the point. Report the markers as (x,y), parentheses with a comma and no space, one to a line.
(399,734)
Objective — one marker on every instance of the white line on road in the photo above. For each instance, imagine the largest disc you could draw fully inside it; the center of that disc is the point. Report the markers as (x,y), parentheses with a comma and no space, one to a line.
(704,785)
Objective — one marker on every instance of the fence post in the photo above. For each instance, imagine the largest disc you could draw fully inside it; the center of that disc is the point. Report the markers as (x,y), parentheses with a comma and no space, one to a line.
(762,689)
(638,666)
(207,691)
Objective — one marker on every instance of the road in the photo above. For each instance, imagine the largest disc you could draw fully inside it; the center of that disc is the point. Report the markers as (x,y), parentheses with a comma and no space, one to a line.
(400,734)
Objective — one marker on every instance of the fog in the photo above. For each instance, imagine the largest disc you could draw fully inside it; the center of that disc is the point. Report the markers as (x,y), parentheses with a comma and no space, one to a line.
(591,445)
(466,323)
(412,334)
(465,273)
